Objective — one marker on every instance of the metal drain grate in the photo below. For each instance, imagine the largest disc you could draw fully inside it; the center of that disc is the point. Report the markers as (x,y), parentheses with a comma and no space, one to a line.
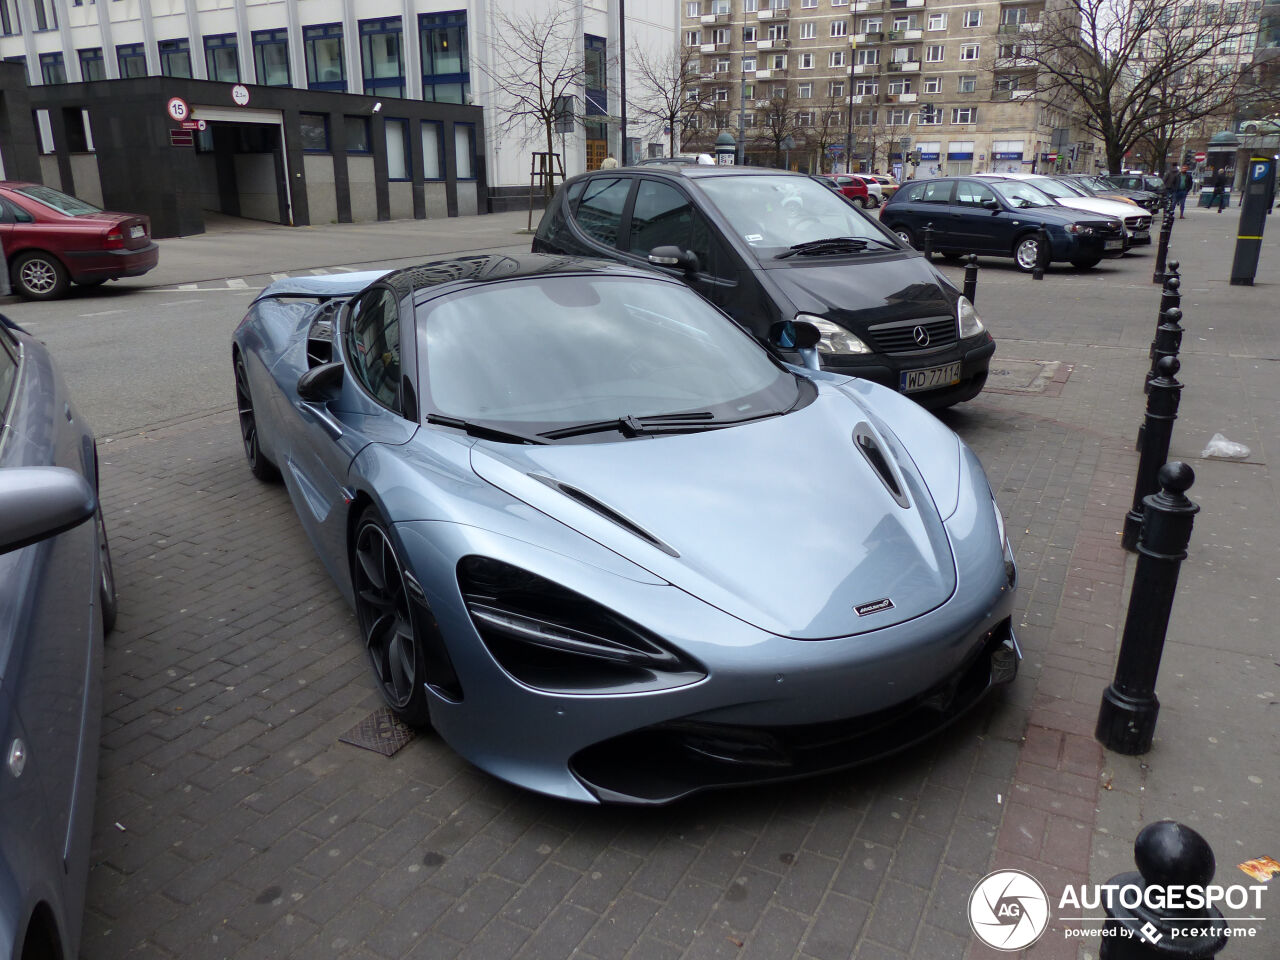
(381,731)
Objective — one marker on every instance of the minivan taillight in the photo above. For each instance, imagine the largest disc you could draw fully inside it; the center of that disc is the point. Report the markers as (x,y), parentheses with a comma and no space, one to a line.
(115,240)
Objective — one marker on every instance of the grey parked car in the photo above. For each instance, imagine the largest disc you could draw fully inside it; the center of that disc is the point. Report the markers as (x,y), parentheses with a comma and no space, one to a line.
(57,596)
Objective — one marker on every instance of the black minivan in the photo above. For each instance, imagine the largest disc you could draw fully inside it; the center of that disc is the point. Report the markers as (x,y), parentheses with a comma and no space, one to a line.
(767,245)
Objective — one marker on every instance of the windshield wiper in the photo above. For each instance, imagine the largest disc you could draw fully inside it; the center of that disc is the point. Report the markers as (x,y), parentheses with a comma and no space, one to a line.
(832,245)
(483,431)
(654,424)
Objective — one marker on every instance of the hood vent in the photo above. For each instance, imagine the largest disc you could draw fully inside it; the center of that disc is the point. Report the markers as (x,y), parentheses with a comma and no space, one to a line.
(869,445)
(595,506)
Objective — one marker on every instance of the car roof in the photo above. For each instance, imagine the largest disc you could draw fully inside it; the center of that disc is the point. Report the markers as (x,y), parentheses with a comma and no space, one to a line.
(461,271)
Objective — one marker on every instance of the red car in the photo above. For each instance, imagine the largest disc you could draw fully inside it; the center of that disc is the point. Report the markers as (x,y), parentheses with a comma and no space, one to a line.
(52,240)
(851,187)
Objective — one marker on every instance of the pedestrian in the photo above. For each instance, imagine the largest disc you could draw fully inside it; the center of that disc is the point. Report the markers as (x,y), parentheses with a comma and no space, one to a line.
(608,163)
(1219,189)
(1181,190)
(1171,179)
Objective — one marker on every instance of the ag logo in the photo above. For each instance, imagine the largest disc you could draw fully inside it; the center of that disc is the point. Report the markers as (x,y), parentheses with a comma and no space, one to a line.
(1008,910)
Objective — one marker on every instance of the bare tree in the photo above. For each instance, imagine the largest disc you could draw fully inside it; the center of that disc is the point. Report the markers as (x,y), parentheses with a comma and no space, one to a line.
(670,91)
(776,120)
(827,128)
(1127,68)
(538,70)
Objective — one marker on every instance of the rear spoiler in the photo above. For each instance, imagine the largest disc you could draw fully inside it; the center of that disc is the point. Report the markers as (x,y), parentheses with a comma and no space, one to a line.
(324,286)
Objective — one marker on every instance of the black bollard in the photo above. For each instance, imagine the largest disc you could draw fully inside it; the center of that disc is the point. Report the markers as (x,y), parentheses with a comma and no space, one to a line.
(1127,716)
(1162,251)
(1167,343)
(1043,253)
(971,278)
(1157,430)
(928,241)
(1167,855)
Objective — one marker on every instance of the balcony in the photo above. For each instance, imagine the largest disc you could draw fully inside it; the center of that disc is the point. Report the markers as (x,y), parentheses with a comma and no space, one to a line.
(707,48)
(874,37)
(715,18)
(863,68)
(904,66)
(1003,95)
(908,97)
(772,44)
(766,75)
(866,6)
(781,14)
(1027,26)
(898,36)
(1015,63)
(910,4)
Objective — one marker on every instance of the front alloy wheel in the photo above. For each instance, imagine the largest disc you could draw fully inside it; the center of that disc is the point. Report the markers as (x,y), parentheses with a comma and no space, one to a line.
(259,465)
(386,614)
(1027,253)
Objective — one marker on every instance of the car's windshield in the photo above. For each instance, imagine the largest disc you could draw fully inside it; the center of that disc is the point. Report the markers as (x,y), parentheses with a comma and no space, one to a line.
(1056,188)
(562,350)
(1018,193)
(1096,183)
(774,213)
(71,206)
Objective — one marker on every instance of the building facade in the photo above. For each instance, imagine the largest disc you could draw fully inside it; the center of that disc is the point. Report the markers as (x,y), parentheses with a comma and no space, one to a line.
(941,77)
(440,51)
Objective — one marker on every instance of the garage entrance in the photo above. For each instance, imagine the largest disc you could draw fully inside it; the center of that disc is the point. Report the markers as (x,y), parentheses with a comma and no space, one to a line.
(241,163)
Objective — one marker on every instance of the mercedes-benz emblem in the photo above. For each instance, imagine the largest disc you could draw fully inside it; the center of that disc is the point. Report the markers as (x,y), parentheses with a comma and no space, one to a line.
(921,336)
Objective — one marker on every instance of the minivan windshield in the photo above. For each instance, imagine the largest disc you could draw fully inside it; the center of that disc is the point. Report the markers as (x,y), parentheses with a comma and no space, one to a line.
(1019,194)
(775,213)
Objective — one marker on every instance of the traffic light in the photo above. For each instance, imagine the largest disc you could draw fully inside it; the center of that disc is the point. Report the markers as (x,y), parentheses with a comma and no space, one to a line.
(927,113)
(914,159)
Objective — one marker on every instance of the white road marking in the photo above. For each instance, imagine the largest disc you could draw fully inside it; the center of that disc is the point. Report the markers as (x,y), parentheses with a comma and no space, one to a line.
(319,272)
(187,286)
(279,276)
(178,303)
(101,313)
(237,283)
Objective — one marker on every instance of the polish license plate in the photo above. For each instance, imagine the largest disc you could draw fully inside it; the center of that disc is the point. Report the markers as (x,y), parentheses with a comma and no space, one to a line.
(136,231)
(1114,245)
(930,378)
(1141,235)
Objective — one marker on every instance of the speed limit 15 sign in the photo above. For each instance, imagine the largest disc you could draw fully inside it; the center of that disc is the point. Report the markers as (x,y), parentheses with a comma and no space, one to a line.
(178,109)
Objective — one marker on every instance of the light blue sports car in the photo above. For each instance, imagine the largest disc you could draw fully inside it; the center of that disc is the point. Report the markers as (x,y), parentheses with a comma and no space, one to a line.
(610,546)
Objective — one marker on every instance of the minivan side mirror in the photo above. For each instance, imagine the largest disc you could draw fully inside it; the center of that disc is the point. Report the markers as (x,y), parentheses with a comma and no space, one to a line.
(40,502)
(992,205)
(673,256)
(321,383)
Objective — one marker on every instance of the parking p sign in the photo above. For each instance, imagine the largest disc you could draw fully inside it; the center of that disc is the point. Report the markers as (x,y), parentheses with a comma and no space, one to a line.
(178,109)
(1259,170)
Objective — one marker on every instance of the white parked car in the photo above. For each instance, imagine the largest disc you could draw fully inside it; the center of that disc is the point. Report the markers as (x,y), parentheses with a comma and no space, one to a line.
(1137,221)
(874,189)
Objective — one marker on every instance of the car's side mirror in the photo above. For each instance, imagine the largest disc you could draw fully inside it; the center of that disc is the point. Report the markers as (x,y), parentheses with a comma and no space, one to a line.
(992,205)
(321,383)
(673,256)
(794,335)
(40,502)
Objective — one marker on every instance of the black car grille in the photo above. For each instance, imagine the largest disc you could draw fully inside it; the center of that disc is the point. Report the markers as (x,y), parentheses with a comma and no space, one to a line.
(1137,223)
(901,336)
(1107,229)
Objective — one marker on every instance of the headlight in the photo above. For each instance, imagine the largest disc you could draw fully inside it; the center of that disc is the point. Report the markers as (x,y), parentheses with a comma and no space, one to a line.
(1079,228)
(970,323)
(835,338)
(1010,569)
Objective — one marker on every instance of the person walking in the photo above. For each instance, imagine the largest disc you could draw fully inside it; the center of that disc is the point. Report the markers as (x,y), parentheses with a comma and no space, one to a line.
(1181,189)
(1219,189)
(608,163)
(1171,179)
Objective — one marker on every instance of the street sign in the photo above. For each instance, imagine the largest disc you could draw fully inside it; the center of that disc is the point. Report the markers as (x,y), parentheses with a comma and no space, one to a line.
(240,94)
(181,138)
(194,125)
(1201,157)
(178,109)
(1052,157)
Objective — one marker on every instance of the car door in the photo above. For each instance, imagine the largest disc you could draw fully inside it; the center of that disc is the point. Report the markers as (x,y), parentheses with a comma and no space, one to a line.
(978,228)
(664,215)
(368,407)
(930,205)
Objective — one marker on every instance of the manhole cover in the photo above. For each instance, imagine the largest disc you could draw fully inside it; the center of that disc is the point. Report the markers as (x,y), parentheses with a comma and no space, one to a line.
(1027,376)
(381,731)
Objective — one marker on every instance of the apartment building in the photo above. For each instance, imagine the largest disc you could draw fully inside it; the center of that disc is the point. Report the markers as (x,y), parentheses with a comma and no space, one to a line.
(945,77)
(437,51)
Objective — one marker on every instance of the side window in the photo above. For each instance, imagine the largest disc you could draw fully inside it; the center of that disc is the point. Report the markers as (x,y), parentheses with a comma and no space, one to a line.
(8,374)
(663,215)
(11,213)
(373,340)
(972,194)
(599,209)
(937,191)
(914,192)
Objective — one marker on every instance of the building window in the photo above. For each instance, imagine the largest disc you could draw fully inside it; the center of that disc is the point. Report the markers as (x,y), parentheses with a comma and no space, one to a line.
(968,83)
(175,58)
(271,57)
(355,132)
(52,69)
(934,52)
(865,118)
(866,88)
(446,66)
(964,115)
(871,25)
(722,65)
(721,35)
(693,8)
(868,56)
(92,66)
(806,61)
(778,61)
(313,129)
(804,118)
(937,21)
(322,46)
(1013,15)
(969,51)
(398,162)
(464,150)
(131,60)
(750,6)
(221,58)
(9,24)
(808,4)
(932,84)
(692,38)
(721,95)
(835,88)
(748,64)
(973,18)
(902,55)
(808,30)
(1006,81)
(432,151)
(839,3)
(380,59)
(748,34)
(595,79)
(836,59)
(720,7)
(897,87)
(839,28)
(804,91)
(46,15)
(899,117)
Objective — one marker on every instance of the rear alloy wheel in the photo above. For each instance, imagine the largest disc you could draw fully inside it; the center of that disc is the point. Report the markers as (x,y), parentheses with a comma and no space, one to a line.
(39,276)
(107,584)
(905,235)
(385,610)
(1027,253)
(259,465)
(860,202)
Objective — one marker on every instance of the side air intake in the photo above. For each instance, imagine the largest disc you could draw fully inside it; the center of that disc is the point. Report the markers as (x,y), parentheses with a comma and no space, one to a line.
(613,516)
